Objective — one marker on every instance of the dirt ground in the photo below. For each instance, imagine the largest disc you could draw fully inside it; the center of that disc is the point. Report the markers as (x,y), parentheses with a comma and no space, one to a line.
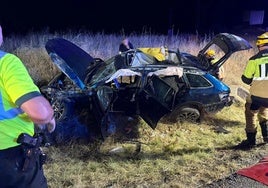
(236,181)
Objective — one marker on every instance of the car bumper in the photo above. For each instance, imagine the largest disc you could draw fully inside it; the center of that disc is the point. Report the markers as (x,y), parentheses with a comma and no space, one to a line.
(215,107)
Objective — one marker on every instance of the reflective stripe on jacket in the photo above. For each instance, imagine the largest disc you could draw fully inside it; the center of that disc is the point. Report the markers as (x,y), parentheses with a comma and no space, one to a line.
(257,71)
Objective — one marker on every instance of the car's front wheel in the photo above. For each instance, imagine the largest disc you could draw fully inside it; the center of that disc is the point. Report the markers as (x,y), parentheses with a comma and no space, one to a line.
(62,109)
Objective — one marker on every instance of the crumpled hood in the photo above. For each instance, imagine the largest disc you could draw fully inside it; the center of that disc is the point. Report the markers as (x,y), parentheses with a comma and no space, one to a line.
(70,59)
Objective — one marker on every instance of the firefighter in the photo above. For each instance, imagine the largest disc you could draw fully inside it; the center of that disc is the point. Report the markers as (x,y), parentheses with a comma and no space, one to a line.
(256,107)
(210,56)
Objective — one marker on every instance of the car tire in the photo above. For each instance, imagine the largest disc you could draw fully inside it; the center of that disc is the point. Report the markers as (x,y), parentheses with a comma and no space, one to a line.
(186,114)
(63,109)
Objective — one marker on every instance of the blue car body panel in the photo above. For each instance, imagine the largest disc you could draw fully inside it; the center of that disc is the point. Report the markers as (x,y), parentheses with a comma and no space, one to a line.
(95,97)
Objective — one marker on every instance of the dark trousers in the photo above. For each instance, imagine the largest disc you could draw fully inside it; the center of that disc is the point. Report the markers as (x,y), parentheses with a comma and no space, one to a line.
(12,176)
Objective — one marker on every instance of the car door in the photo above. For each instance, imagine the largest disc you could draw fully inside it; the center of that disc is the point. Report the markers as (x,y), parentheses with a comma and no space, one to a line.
(156,100)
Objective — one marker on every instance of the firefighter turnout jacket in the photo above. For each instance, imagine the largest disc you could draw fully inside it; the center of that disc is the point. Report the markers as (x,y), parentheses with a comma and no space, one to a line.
(256,74)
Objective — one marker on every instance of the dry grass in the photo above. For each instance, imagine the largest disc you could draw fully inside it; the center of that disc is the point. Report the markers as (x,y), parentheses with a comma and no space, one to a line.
(177,155)
(173,155)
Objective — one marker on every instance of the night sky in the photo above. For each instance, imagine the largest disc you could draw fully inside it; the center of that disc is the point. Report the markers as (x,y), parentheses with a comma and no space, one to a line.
(111,16)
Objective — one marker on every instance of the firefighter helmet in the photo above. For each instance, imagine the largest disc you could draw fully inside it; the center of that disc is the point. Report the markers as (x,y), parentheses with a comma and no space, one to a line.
(210,53)
(262,39)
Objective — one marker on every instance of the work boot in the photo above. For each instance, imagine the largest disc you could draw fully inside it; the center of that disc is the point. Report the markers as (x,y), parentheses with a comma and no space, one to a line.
(249,143)
(264,131)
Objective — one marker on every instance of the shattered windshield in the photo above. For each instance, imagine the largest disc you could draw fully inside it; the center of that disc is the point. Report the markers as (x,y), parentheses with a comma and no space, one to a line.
(104,72)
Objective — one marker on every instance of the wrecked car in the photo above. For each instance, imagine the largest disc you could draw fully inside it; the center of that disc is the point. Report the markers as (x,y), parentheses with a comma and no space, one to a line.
(93,98)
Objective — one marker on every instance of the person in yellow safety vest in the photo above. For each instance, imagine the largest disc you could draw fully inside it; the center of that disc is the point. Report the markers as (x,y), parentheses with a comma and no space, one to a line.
(256,107)
(22,107)
(210,56)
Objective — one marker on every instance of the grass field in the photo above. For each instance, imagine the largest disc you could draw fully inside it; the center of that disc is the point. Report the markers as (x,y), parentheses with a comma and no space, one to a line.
(172,155)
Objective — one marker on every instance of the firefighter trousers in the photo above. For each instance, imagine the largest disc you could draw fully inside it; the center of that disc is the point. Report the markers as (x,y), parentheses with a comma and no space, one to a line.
(254,117)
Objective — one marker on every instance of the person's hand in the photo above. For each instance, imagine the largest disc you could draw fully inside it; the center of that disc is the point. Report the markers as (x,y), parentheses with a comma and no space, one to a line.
(51,125)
